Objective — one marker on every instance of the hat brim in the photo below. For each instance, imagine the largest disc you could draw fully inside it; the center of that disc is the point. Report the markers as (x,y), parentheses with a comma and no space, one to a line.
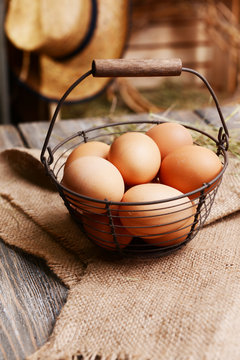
(49,77)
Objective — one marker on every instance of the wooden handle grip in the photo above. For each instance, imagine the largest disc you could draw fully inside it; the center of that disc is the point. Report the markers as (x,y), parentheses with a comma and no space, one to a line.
(136,68)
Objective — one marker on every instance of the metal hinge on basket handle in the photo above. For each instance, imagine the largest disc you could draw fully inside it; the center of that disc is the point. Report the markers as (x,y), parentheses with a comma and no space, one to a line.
(137,68)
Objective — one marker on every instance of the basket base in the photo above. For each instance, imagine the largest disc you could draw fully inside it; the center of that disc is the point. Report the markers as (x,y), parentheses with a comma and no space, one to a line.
(138,248)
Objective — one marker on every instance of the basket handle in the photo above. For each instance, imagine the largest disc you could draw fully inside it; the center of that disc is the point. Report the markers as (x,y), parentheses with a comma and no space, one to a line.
(135,68)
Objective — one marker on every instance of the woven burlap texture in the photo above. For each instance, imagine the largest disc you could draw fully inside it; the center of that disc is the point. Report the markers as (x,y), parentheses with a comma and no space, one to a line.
(185,306)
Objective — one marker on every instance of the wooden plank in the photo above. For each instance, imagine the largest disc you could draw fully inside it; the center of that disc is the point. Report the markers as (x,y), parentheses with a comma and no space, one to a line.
(159,32)
(185,117)
(199,58)
(231,116)
(31,296)
(190,41)
(167,34)
(9,137)
(30,300)
(35,132)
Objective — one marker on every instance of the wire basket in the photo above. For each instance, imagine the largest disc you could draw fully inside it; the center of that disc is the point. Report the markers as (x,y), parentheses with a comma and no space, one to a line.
(156,227)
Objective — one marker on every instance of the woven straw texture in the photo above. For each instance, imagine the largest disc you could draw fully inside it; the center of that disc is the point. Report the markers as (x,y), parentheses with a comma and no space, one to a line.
(185,306)
(31,20)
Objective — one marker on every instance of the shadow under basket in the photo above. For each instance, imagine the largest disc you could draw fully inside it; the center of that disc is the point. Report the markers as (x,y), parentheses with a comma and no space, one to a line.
(153,228)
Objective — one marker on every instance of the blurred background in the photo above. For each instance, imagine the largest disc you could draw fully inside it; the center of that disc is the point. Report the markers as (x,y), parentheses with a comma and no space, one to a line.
(204,34)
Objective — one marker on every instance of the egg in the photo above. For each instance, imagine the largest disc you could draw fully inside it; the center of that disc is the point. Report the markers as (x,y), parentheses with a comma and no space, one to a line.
(169,137)
(174,237)
(99,230)
(136,156)
(189,167)
(154,219)
(95,148)
(94,177)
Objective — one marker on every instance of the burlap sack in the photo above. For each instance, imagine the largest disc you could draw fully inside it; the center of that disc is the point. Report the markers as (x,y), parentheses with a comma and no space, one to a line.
(181,307)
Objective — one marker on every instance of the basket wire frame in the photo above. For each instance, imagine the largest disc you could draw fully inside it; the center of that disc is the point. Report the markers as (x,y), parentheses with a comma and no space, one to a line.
(106,230)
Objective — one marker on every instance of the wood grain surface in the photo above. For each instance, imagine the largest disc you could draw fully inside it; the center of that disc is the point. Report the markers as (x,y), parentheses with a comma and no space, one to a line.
(9,137)
(31,296)
(34,133)
(136,67)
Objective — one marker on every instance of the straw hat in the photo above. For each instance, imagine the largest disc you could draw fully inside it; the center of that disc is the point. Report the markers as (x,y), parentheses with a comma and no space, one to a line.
(53,42)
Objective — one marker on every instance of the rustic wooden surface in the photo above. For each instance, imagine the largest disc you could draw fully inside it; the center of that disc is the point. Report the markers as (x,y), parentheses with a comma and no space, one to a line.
(31,297)
(10,137)
(198,30)
(136,68)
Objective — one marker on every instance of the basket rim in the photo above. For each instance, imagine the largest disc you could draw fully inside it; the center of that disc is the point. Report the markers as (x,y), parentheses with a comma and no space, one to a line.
(62,189)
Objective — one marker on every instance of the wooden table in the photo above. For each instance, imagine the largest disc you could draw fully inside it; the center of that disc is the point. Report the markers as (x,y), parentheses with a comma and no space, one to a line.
(31,297)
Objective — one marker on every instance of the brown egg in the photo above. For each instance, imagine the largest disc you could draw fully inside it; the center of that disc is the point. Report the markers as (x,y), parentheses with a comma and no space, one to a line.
(99,230)
(152,219)
(95,148)
(174,237)
(136,156)
(94,177)
(169,137)
(189,167)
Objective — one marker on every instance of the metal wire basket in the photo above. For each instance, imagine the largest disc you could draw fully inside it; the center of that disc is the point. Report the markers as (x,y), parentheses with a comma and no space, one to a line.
(154,231)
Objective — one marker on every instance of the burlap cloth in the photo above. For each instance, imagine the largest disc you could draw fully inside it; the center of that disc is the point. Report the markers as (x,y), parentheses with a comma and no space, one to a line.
(181,307)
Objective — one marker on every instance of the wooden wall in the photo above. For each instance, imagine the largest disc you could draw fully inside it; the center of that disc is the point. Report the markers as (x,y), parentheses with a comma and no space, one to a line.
(185,29)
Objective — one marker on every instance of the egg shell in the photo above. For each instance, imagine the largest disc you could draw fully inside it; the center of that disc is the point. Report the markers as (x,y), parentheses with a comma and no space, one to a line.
(98,229)
(152,219)
(172,238)
(94,177)
(189,167)
(81,205)
(169,137)
(95,148)
(136,156)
